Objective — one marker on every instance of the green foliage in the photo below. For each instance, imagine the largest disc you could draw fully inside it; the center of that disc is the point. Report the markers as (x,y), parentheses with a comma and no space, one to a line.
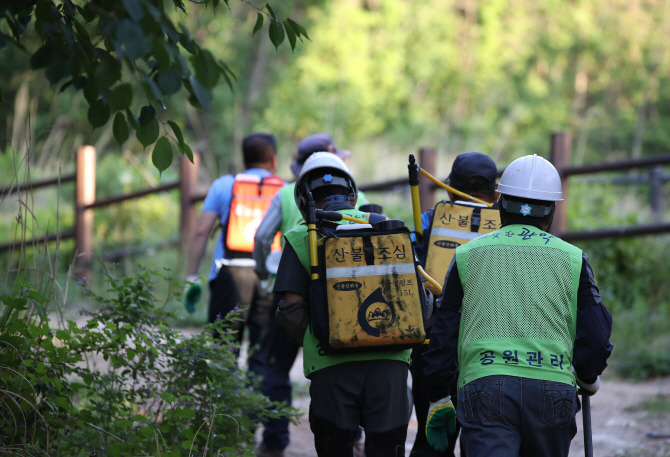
(658,405)
(90,43)
(155,389)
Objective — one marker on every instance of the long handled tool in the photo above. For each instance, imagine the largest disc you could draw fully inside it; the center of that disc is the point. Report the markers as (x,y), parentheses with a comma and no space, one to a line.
(311,233)
(588,435)
(414,171)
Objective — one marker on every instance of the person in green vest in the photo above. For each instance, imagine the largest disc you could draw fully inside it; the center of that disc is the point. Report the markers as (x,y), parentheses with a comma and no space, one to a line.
(276,356)
(346,390)
(519,307)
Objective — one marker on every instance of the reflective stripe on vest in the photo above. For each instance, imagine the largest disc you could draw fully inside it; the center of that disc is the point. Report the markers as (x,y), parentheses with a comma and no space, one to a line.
(250,200)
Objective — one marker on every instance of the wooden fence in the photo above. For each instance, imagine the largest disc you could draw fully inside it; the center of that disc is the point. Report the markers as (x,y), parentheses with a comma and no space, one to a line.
(85,201)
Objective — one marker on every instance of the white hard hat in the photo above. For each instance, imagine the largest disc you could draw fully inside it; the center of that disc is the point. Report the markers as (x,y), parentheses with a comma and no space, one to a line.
(531,177)
(325,161)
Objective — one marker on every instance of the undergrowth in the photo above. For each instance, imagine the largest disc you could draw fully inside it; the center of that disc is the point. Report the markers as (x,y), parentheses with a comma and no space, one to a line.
(123,382)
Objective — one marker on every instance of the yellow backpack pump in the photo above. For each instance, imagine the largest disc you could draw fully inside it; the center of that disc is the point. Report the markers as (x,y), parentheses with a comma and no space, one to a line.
(365,293)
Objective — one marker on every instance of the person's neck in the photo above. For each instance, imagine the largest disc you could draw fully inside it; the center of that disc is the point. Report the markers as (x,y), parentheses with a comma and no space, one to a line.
(262,166)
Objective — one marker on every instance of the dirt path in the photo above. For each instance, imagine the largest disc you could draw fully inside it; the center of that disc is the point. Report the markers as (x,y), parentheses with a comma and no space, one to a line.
(629,420)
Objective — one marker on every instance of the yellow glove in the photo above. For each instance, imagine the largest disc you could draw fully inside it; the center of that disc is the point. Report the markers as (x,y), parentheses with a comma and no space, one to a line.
(441,423)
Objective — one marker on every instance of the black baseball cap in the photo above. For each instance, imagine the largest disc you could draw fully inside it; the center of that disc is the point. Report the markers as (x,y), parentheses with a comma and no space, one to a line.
(470,164)
(315,143)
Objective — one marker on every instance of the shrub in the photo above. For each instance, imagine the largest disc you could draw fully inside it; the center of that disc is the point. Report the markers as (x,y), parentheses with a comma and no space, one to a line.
(123,383)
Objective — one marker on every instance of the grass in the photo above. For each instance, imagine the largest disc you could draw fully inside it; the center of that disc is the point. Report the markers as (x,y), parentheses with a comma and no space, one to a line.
(658,405)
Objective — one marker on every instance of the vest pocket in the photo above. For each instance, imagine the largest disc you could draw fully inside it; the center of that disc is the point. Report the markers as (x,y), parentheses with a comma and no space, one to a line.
(559,403)
(482,399)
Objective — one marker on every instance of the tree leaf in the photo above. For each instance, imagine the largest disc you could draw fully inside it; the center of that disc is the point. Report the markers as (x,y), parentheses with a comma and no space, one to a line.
(295,26)
(121,97)
(59,70)
(147,114)
(44,56)
(98,113)
(161,54)
(205,68)
(276,32)
(108,71)
(186,150)
(272,13)
(162,155)
(300,28)
(148,133)
(135,43)
(290,34)
(132,120)
(81,30)
(120,129)
(259,24)
(200,93)
(177,131)
(169,81)
(134,9)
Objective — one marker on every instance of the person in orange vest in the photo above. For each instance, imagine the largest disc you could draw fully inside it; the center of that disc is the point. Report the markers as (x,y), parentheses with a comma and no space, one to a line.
(238,203)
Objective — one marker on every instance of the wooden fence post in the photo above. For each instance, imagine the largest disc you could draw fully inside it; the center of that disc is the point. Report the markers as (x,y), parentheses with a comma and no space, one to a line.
(84,195)
(427,161)
(561,147)
(187,184)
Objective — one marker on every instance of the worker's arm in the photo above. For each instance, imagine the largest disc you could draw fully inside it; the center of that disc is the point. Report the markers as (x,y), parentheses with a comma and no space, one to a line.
(292,278)
(594,327)
(196,249)
(441,358)
(265,235)
(293,282)
(292,297)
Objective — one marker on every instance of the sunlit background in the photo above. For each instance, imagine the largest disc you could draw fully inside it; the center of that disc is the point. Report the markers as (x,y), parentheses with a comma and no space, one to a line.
(386,78)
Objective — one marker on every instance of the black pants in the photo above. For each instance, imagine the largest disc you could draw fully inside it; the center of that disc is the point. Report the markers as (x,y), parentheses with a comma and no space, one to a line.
(507,416)
(239,288)
(372,394)
(273,362)
(421,447)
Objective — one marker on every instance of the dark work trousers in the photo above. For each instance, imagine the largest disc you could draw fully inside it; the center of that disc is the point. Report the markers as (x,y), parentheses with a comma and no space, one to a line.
(239,287)
(273,362)
(421,447)
(506,416)
(372,394)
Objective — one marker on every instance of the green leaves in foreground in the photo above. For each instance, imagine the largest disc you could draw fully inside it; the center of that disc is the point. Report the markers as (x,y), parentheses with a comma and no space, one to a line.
(157,385)
(162,155)
(276,29)
(88,44)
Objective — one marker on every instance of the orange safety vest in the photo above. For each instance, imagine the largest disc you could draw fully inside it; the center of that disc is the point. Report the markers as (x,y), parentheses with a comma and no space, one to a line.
(251,199)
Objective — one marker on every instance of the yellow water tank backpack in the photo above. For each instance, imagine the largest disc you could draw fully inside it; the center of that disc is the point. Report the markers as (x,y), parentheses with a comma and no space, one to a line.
(453,225)
(369,296)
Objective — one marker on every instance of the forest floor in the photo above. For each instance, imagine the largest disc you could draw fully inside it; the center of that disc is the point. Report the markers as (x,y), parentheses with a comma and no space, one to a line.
(628,420)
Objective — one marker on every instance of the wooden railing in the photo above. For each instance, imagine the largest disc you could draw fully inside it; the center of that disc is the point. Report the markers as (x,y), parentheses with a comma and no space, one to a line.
(86,202)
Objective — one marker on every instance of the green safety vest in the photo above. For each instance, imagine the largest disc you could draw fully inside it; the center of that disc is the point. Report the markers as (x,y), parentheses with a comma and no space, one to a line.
(290,214)
(519,311)
(313,358)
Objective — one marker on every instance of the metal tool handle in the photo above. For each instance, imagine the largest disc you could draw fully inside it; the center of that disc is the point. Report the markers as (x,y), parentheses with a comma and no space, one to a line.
(588,435)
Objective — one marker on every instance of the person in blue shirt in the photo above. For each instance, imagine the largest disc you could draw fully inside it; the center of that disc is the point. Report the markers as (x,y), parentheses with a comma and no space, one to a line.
(232,281)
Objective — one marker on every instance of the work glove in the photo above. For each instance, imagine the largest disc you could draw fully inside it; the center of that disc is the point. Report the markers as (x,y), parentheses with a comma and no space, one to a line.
(192,293)
(584,388)
(441,423)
